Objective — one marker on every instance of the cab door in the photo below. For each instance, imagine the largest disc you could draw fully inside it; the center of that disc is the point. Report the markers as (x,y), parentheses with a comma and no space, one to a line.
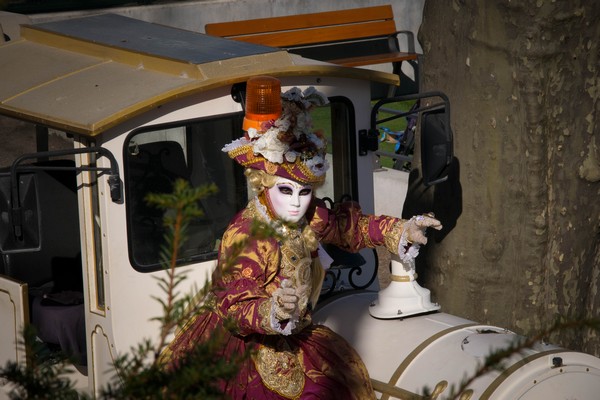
(14,315)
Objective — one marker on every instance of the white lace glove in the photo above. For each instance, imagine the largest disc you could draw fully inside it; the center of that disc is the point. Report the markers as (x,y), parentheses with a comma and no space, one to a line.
(413,235)
(287,302)
(415,228)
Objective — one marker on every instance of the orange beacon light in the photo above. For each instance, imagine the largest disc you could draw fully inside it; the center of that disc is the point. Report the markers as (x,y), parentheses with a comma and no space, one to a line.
(263,101)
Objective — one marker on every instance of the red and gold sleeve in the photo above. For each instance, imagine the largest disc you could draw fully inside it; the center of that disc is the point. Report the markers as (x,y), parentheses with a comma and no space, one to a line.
(241,281)
(348,228)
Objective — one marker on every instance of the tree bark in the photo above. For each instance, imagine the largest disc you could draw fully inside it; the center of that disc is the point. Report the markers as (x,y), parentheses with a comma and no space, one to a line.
(524,86)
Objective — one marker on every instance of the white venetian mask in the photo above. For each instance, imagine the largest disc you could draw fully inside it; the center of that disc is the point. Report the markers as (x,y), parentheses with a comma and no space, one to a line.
(289,199)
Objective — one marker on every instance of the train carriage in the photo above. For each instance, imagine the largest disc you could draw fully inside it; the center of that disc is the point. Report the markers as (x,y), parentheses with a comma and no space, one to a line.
(137,106)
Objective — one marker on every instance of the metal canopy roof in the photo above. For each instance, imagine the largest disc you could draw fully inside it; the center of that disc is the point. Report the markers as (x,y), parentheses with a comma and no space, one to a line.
(86,75)
(158,40)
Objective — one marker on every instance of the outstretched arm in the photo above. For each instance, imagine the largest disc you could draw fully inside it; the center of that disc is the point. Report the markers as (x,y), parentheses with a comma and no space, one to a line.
(347,227)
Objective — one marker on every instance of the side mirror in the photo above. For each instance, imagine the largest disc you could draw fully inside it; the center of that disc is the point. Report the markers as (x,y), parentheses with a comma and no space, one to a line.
(436,146)
(20,224)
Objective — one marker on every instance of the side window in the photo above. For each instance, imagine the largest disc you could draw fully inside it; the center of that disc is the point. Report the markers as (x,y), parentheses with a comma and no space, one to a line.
(336,121)
(154,159)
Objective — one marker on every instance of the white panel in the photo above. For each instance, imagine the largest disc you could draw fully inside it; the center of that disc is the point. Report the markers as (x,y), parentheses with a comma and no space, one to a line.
(390,188)
(102,360)
(14,310)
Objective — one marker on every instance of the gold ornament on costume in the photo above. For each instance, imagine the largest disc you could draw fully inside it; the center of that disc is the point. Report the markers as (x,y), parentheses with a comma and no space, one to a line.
(281,369)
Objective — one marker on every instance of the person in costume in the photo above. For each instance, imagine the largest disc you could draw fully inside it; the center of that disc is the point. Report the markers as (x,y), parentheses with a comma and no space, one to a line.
(267,293)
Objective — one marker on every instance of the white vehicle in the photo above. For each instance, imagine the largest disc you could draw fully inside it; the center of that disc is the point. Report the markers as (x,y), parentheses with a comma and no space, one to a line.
(143,105)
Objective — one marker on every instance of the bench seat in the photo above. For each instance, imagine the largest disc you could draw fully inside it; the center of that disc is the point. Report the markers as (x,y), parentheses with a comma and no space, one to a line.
(357,37)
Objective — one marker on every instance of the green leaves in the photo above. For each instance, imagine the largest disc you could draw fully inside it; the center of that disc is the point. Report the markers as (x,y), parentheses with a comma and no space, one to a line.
(44,372)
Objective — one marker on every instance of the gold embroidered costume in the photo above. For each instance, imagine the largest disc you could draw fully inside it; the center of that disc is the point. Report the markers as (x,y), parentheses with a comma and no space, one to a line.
(312,358)
(292,358)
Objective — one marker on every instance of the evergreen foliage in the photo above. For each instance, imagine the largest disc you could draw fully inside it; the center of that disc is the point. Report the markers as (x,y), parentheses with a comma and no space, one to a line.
(142,373)
(44,373)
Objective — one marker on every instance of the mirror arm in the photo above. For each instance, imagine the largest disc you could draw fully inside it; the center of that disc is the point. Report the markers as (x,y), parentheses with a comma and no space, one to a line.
(445,104)
(114,180)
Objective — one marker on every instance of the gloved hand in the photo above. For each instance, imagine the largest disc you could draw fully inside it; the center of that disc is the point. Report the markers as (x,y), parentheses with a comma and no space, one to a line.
(413,235)
(287,300)
(414,228)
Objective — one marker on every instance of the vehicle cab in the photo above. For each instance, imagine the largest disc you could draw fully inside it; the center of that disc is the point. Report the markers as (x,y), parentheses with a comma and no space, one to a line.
(137,106)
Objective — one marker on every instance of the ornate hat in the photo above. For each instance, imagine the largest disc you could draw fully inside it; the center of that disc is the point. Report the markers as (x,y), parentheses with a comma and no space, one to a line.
(279,137)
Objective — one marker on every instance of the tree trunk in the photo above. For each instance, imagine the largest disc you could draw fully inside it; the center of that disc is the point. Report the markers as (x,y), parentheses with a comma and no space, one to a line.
(524,86)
